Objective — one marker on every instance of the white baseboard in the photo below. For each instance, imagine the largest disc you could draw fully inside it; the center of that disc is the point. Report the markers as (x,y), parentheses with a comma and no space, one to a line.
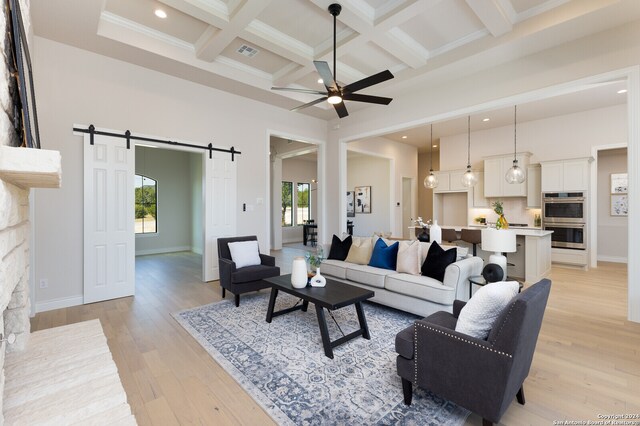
(196,250)
(63,302)
(162,250)
(291,240)
(614,259)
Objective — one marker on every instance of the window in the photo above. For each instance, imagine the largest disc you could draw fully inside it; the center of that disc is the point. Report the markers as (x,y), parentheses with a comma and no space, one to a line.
(146,205)
(287,203)
(304,203)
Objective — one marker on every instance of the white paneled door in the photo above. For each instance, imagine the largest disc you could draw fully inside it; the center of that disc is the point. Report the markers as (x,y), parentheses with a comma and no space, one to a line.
(109,239)
(220,205)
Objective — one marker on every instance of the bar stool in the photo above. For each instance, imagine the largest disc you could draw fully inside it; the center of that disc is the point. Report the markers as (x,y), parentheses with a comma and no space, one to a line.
(449,235)
(473,236)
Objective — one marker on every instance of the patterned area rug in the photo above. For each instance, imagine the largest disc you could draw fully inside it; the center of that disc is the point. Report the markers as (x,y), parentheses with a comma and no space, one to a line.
(283,367)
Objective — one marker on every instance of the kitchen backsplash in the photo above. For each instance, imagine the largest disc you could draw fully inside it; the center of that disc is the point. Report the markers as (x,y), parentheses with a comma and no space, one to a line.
(515,211)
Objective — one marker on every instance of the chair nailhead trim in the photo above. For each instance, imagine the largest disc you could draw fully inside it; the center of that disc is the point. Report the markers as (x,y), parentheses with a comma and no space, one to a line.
(457,338)
(415,353)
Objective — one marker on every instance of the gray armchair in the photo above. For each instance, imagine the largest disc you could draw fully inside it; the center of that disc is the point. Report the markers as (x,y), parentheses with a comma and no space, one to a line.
(243,280)
(482,376)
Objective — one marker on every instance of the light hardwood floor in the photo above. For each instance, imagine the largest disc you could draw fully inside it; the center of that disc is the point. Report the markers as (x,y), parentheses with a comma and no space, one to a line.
(587,360)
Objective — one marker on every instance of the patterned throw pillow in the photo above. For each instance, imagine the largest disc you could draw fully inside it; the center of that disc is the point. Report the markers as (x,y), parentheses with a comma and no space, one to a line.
(481,311)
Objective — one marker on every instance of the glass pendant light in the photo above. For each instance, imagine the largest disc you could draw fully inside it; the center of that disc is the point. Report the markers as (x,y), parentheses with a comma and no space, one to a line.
(469,179)
(515,174)
(431,181)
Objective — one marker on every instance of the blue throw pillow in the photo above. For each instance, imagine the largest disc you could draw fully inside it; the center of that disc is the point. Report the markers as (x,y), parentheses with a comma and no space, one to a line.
(384,256)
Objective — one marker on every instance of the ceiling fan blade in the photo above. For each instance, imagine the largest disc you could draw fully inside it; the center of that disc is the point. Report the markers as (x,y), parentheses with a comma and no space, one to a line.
(341,109)
(291,89)
(367,98)
(325,74)
(368,81)
(317,101)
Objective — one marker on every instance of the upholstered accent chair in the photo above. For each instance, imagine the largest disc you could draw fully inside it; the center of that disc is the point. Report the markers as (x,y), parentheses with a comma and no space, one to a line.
(482,376)
(249,278)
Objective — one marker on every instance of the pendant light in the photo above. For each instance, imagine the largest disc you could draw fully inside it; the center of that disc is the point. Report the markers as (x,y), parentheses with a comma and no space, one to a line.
(515,174)
(431,181)
(469,179)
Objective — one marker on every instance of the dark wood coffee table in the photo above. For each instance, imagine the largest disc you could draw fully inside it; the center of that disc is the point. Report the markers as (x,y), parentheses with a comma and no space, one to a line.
(334,296)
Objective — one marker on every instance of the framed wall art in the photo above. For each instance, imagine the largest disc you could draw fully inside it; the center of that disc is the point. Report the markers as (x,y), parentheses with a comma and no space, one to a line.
(351,204)
(619,205)
(363,199)
(619,182)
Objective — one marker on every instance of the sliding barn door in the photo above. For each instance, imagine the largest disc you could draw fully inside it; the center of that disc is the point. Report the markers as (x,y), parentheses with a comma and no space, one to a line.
(220,208)
(109,240)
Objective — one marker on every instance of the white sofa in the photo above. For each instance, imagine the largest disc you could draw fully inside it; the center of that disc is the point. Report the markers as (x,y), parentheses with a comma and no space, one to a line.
(417,294)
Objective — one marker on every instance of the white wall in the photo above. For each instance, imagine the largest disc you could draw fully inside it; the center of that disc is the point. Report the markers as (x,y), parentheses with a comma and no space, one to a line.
(299,171)
(613,231)
(374,172)
(556,138)
(170,169)
(76,86)
(403,163)
(425,195)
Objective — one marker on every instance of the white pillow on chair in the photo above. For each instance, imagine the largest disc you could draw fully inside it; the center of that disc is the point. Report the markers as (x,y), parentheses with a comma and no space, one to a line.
(245,253)
(483,309)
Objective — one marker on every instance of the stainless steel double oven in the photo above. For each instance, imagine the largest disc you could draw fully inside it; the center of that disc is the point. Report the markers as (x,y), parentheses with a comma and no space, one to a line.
(564,213)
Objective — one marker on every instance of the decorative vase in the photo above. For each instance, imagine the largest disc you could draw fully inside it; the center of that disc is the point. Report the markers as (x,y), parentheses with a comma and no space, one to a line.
(502,223)
(435,232)
(318,280)
(299,272)
(424,236)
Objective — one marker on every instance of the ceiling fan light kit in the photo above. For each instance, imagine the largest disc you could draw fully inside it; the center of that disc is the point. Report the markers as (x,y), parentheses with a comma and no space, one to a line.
(336,94)
(515,174)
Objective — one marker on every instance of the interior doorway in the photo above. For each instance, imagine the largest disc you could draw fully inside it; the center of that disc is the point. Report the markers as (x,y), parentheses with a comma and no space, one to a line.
(407,207)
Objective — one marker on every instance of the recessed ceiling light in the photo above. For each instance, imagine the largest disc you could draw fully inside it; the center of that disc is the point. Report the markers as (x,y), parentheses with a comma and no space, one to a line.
(486,119)
(320,81)
(622,91)
(404,137)
(160,13)
(435,146)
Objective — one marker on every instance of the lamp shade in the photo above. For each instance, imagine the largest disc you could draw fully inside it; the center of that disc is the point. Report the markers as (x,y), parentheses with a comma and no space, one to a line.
(499,240)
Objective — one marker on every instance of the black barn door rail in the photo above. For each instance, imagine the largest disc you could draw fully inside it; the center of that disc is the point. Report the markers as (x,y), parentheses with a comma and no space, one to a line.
(91,130)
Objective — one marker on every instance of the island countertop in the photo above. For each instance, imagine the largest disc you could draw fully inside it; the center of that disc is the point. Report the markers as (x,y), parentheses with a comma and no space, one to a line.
(528,232)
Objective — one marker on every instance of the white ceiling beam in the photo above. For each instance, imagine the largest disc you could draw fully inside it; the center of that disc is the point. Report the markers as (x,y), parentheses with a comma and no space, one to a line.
(493,14)
(212,43)
(213,13)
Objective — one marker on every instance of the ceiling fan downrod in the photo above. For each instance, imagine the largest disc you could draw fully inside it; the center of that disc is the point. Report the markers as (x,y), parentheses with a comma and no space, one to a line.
(334,10)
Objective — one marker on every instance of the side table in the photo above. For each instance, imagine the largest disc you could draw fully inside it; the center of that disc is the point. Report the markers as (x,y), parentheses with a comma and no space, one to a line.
(480,281)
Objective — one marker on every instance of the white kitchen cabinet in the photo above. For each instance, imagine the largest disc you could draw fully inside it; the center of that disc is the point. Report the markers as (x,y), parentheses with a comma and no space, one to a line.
(479,200)
(449,181)
(534,191)
(495,169)
(566,175)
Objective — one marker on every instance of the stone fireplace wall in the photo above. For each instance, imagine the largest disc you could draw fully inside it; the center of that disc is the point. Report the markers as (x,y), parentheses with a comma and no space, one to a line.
(14,224)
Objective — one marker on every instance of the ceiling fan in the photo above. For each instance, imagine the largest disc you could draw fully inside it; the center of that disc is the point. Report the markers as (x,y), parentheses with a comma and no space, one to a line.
(336,94)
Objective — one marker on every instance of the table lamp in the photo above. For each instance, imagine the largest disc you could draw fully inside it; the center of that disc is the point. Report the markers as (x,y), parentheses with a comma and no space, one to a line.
(499,241)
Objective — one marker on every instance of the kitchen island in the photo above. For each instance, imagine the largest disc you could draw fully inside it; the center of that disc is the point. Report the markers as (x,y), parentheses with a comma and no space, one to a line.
(532,259)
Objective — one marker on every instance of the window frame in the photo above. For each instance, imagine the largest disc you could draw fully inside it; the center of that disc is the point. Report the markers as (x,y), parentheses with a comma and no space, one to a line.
(155,185)
(308,185)
(291,205)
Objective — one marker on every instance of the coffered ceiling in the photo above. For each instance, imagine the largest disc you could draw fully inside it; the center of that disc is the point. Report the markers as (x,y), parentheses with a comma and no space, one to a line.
(202,40)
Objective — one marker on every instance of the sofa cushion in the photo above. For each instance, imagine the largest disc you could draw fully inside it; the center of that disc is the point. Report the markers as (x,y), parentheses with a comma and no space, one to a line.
(254,273)
(437,261)
(420,287)
(334,268)
(461,252)
(481,311)
(368,275)
(409,257)
(360,251)
(245,253)
(340,248)
(384,256)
